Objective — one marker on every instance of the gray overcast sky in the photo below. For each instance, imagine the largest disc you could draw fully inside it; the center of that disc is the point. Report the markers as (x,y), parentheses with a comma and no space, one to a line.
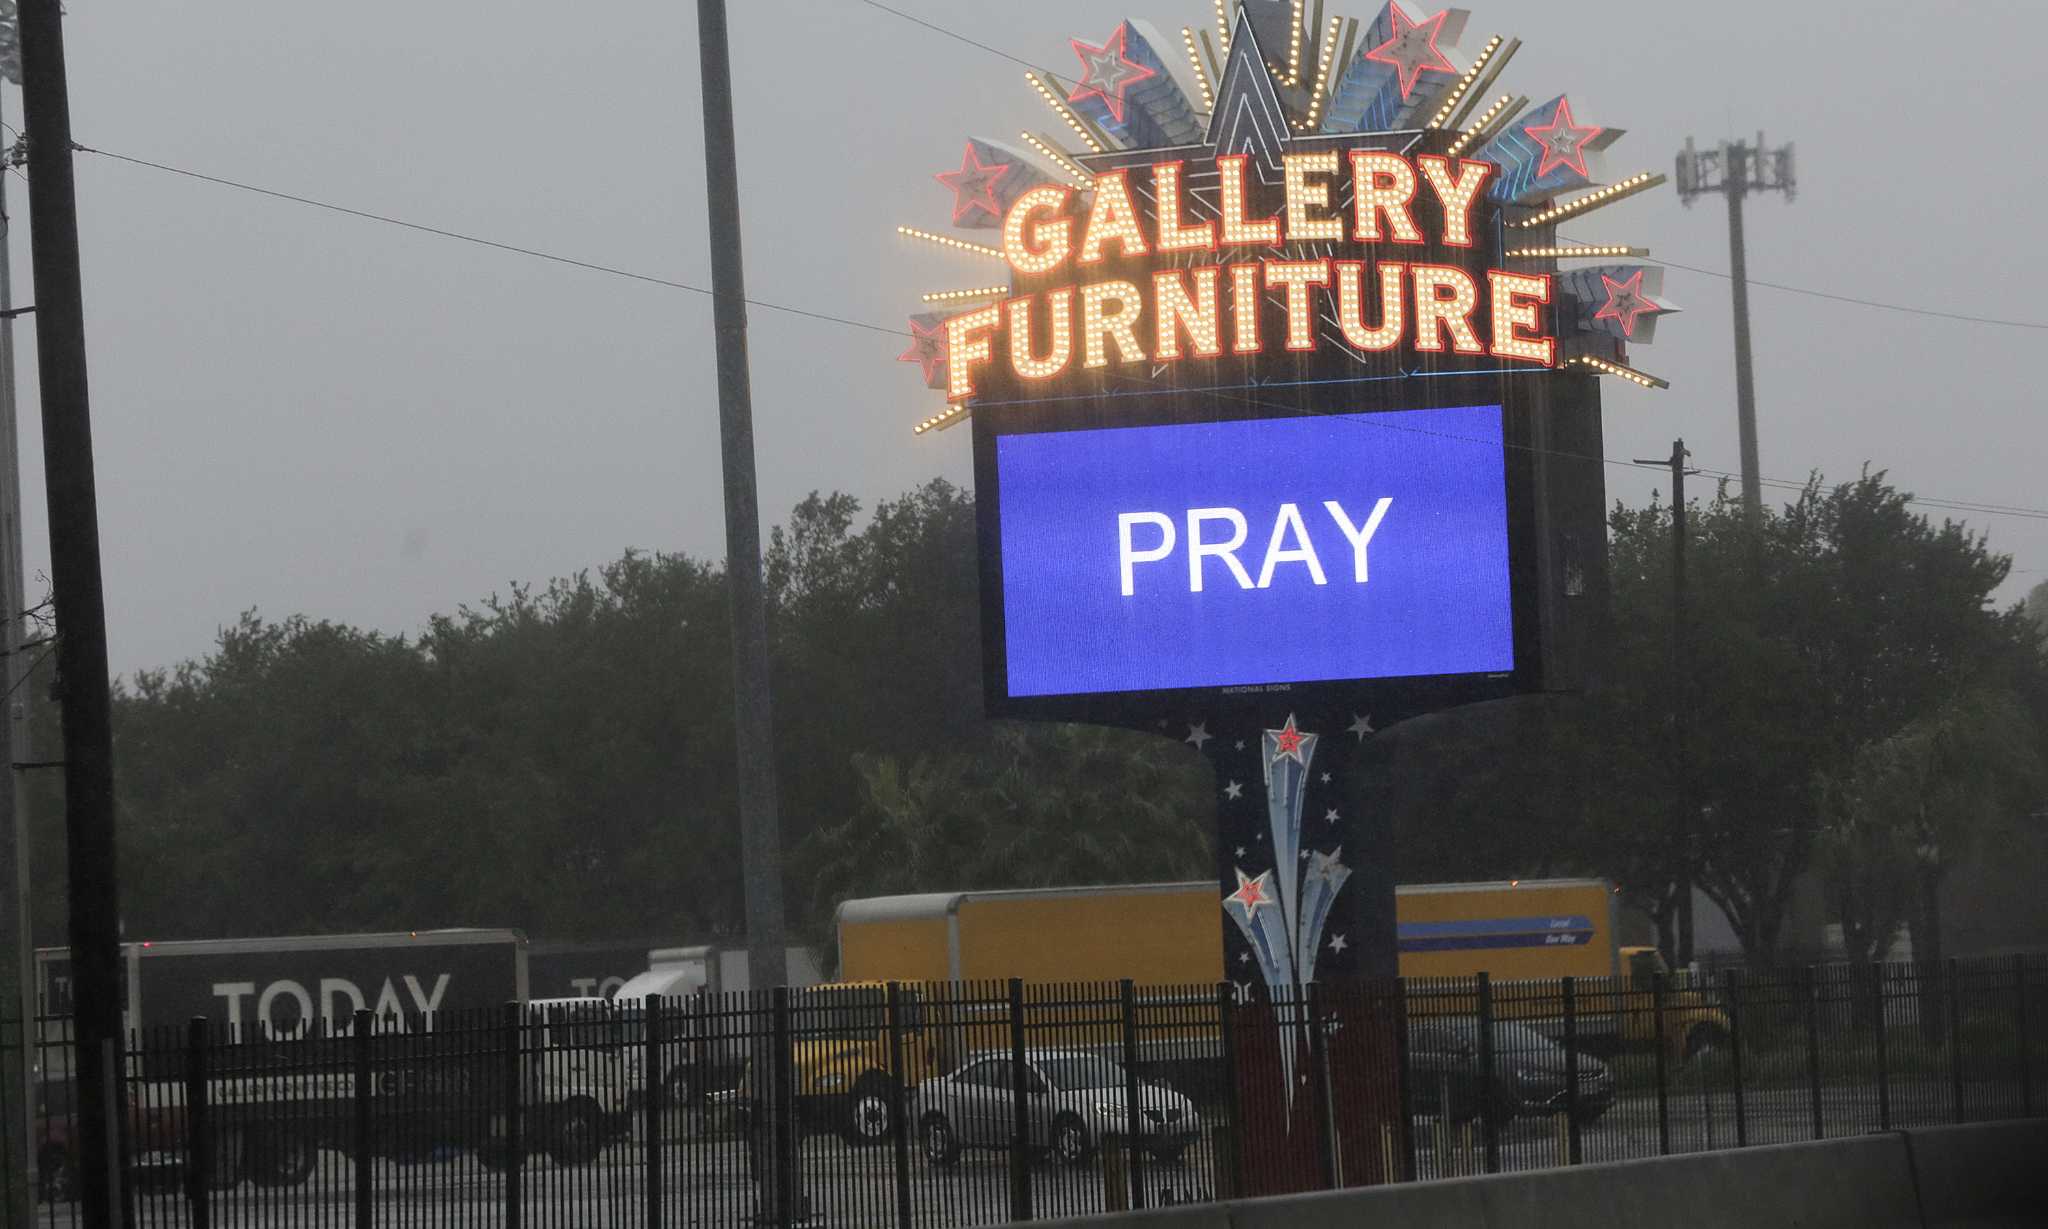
(303,412)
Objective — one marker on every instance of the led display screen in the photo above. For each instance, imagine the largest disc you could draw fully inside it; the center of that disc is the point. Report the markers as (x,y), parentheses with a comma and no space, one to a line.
(1248,553)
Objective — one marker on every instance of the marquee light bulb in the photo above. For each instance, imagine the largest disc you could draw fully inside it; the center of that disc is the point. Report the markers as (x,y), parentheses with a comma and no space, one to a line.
(1630,374)
(958,296)
(1065,112)
(1318,96)
(1457,93)
(1571,251)
(1294,43)
(1060,158)
(1187,34)
(1642,182)
(962,245)
(1223,26)
(953,416)
(1479,125)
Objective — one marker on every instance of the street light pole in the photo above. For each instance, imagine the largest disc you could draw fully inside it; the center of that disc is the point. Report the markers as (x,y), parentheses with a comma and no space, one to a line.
(1735,170)
(753,717)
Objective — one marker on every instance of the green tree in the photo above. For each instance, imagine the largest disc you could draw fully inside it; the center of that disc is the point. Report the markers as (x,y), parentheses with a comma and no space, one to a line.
(1036,806)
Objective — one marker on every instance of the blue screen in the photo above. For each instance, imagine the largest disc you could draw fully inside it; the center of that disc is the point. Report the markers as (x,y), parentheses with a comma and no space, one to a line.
(1242,553)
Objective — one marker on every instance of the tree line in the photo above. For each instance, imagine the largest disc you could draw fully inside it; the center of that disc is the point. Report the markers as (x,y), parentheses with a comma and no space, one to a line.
(1858,713)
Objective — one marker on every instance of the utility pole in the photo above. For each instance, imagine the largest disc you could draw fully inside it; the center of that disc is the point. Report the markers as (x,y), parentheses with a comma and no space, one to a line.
(753,716)
(14,710)
(1683,808)
(1735,170)
(81,650)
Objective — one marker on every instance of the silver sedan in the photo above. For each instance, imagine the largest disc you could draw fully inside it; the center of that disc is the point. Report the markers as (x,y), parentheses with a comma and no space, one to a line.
(1074,1100)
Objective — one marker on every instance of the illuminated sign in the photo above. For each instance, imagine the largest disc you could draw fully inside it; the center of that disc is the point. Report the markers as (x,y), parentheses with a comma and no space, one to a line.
(1246,553)
(1272,241)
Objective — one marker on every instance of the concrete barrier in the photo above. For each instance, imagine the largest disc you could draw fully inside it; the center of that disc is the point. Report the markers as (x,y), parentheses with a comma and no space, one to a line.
(1845,1184)
(1981,1177)
(1993,1176)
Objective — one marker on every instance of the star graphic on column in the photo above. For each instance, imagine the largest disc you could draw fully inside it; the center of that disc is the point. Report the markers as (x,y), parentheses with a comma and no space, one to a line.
(1338,943)
(1326,778)
(1240,851)
(1360,726)
(974,185)
(1198,734)
(1252,893)
(1563,141)
(1240,744)
(1233,791)
(1288,741)
(927,350)
(1330,816)
(1626,302)
(1413,50)
(1107,73)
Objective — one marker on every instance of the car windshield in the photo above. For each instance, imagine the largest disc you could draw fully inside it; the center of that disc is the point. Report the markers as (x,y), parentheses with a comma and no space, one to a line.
(1508,1037)
(840,1015)
(1081,1071)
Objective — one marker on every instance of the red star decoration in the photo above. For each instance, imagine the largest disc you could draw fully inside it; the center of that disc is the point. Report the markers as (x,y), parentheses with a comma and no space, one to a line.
(974,185)
(1108,72)
(1563,141)
(1288,742)
(927,350)
(1626,302)
(1251,893)
(1413,50)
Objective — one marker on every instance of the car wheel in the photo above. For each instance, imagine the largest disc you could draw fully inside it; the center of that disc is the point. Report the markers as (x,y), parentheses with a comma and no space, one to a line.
(1704,1039)
(284,1160)
(678,1090)
(1070,1142)
(578,1135)
(870,1110)
(225,1169)
(1168,1154)
(1588,1115)
(935,1134)
(56,1179)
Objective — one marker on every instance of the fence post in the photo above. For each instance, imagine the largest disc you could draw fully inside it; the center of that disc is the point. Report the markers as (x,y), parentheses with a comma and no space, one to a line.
(1884,1075)
(1402,1073)
(1663,1064)
(1489,1126)
(1229,1168)
(1020,1109)
(515,1147)
(1955,1039)
(1319,1072)
(899,1129)
(198,1123)
(651,1088)
(1133,1119)
(1571,1070)
(782,1116)
(2019,1016)
(359,1045)
(1731,990)
(1813,1049)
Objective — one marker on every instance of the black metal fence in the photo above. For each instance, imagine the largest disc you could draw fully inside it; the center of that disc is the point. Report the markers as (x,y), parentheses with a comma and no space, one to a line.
(961,1104)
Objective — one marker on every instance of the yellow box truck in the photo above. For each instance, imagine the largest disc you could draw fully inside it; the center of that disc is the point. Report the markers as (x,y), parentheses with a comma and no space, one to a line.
(1168,934)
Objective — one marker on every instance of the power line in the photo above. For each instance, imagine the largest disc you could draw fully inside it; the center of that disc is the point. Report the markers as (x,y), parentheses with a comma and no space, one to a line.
(478,240)
(1988,509)
(1876,304)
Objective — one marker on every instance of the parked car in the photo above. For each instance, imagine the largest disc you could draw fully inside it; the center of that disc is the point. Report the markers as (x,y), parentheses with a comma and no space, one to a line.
(1076,1100)
(1528,1072)
(156,1141)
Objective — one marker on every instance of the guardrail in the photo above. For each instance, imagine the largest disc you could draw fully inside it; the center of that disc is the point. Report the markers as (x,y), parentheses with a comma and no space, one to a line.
(955,1104)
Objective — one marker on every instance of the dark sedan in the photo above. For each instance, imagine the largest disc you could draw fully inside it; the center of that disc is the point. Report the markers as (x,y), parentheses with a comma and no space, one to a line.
(1529,1073)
